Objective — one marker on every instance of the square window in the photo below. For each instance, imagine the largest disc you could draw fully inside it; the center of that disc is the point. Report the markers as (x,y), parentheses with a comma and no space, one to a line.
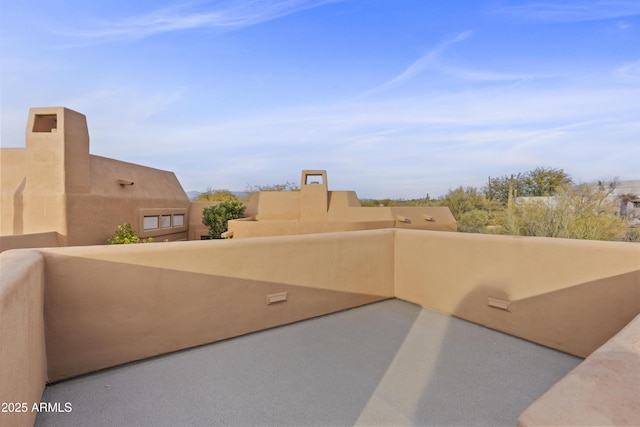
(151,222)
(166,221)
(178,220)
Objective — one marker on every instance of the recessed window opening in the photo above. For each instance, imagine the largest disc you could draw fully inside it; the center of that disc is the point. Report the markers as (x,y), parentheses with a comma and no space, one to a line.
(45,123)
(151,222)
(313,179)
(178,220)
(166,221)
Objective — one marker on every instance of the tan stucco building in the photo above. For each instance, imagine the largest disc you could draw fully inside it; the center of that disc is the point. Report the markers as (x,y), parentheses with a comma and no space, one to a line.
(315,209)
(55,191)
(66,312)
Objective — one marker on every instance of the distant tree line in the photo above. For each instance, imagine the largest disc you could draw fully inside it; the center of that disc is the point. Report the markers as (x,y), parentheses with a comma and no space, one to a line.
(558,208)
(555,206)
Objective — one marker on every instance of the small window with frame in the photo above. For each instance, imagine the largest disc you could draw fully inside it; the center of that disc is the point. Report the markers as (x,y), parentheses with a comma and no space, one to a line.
(151,222)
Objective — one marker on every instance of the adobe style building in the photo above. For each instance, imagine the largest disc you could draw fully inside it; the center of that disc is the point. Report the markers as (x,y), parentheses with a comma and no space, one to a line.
(55,193)
(315,209)
(70,311)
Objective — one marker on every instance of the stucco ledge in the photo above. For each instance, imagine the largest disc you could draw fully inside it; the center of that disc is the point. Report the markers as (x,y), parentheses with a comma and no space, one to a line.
(603,390)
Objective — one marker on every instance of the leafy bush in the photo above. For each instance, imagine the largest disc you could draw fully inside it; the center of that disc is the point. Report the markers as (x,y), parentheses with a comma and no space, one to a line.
(631,235)
(212,195)
(473,221)
(217,217)
(535,183)
(581,212)
(125,235)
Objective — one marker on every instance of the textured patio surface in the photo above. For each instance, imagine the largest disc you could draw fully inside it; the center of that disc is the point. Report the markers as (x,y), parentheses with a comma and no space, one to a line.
(389,363)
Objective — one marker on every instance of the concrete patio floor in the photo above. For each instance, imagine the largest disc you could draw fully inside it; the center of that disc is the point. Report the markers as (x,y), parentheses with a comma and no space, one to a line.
(388,363)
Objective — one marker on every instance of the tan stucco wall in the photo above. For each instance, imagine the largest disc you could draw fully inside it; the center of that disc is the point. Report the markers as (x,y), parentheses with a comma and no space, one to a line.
(279,213)
(274,205)
(93,217)
(25,210)
(106,305)
(196,228)
(13,180)
(24,241)
(245,228)
(23,369)
(571,295)
(113,304)
(604,390)
(315,209)
(55,185)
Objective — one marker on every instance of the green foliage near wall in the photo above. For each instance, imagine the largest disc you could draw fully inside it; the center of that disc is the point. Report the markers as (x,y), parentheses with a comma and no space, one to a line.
(125,235)
(217,217)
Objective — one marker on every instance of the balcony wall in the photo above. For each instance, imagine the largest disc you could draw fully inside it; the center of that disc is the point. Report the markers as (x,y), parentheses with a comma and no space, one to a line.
(571,295)
(108,305)
(23,364)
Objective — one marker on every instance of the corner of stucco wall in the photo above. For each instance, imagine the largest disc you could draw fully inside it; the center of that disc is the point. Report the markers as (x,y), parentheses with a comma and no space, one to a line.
(394,255)
(23,367)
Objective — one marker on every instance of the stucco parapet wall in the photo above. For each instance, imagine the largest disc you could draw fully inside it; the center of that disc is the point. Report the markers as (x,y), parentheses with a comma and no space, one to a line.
(604,390)
(23,365)
(108,305)
(319,259)
(571,295)
(24,241)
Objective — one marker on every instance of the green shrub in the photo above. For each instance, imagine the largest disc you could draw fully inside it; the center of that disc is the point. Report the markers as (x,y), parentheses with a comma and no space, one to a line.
(631,235)
(580,212)
(216,196)
(125,235)
(217,217)
(473,221)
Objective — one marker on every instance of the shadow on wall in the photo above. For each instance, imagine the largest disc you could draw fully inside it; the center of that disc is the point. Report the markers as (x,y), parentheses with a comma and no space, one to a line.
(577,319)
(18,221)
(107,313)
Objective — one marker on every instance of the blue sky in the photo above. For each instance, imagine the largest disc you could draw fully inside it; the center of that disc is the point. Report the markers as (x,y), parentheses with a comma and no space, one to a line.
(395,98)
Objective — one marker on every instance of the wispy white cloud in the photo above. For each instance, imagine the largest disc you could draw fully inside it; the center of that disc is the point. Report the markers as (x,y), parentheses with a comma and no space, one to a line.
(628,72)
(419,144)
(571,10)
(489,76)
(622,25)
(229,14)
(462,135)
(426,60)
